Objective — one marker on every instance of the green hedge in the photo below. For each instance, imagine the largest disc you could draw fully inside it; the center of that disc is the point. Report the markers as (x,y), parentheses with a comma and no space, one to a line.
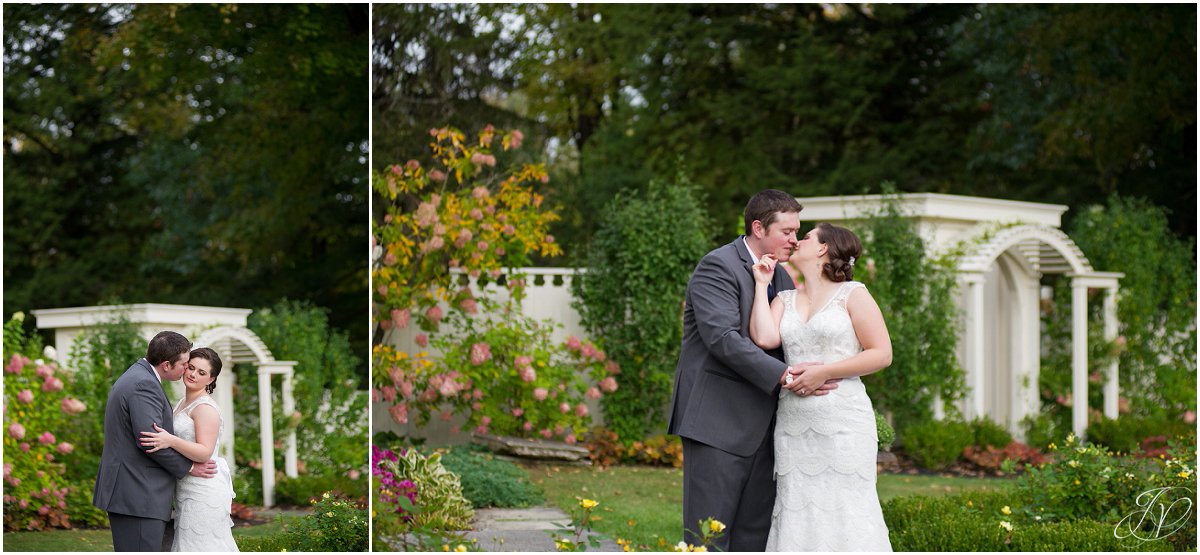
(936,444)
(303,489)
(972,522)
(491,482)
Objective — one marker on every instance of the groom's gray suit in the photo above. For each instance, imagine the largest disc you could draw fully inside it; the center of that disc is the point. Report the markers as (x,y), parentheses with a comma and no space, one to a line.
(723,404)
(136,487)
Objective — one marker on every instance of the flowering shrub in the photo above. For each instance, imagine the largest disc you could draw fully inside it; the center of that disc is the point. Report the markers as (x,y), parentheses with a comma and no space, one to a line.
(454,214)
(1088,481)
(415,492)
(38,410)
(503,372)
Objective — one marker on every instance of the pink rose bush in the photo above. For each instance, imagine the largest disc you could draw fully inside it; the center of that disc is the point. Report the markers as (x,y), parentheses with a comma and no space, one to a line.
(39,415)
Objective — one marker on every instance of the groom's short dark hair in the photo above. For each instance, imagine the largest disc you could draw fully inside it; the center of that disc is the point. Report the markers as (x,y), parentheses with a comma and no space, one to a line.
(166,347)
(765,205)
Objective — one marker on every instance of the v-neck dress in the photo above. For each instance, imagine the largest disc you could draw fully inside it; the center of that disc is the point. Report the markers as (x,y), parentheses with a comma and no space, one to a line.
(825,446)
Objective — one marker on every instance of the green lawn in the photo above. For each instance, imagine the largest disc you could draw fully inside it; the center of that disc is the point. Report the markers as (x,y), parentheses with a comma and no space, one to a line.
(642,503)
(101,540)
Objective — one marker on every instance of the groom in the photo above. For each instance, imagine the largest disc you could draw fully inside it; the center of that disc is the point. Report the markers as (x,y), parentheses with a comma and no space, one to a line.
(726,387)
(136,487)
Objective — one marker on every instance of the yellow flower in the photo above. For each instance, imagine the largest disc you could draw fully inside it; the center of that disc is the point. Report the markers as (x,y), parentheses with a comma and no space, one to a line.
(588,503)
(445,547)
(1052,447)
(716,526)
(1077,481)
(700,549)
(970,504)
(1071,438)
(1073,463)
(1006,510)
(330,513)
(460,548)
(1006,525)
(1184,474)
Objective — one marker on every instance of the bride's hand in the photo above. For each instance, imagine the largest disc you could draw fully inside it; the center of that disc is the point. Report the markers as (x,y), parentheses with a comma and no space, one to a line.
(808,379)
(764,270)
(158,439)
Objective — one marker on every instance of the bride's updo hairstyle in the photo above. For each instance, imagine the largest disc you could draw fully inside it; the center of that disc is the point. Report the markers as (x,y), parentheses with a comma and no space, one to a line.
(844,250)
(215,360)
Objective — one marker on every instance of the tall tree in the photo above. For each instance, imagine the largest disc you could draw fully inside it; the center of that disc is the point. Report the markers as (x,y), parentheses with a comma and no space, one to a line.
(187,154)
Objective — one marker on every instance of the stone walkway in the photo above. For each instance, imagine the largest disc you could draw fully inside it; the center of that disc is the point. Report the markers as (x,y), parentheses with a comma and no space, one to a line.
(524,529)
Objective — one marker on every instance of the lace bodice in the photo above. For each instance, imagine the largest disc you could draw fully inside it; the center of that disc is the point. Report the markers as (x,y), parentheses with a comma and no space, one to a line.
(828,335)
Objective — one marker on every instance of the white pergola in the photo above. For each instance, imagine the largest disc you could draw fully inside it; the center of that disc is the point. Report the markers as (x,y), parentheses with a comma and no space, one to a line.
(222,329)
(1007,246)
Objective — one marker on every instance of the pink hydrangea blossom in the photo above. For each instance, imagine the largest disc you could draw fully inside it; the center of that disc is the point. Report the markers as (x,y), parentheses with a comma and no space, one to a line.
(517,412)
(546,433)
(399,413)
(46,438)
(7,469)
(478,394)
(389,394)
(426,214)
(527,374)
(436,243)
(1189,417)
(581,410)
(24,504)
(476,214)
(437,175)
(25,396)
(550,239)
(500,251)
(527,426)
(24,446)
(52,384)
(16,363)
(16,430)
(573,343)
(382,289)
(486,420)
(43,510)
(515,138)
(588,350)
(400,317)
(470,306)
(612,367)
(593,393)
(508,229)
(570,439)
(564,408)
(65,448)
(434,313)
(352,473)
(390,259)
(540,393)
(481,430)
(558,429)
(478,159)
(522,361)
(412,165)
(482,245)
(477,406)
(480,353)
(464,236)
(608,385)
(422,340)
(45,371)
(446,416)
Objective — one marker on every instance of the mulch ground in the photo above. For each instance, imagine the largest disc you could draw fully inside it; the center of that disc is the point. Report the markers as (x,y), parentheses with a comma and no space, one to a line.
(960,469)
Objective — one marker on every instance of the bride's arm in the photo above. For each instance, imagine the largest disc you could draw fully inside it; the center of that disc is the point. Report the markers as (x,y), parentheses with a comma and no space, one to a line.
(208,425)
(764,318)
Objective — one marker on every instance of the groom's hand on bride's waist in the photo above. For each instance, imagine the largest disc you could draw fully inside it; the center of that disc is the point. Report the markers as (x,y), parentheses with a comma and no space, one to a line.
(206,469)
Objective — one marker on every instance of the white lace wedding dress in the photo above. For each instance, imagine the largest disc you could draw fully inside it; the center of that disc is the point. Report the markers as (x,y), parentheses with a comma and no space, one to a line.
(202,521)
(825,446)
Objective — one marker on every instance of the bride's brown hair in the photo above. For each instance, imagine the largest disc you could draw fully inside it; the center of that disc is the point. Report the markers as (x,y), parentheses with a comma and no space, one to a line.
(214,359)
(844,250)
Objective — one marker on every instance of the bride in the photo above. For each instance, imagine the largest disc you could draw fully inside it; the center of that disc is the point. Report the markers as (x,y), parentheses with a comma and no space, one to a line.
(825,446)
(202,521)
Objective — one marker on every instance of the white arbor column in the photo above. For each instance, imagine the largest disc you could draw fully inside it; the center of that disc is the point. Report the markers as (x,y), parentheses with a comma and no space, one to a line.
(266,435)
(1079,357)
(974,346)
(1111,387)
(289,406)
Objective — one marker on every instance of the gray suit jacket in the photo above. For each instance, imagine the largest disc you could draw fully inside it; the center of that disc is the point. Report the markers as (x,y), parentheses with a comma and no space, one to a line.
(726,387)
(131,481)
